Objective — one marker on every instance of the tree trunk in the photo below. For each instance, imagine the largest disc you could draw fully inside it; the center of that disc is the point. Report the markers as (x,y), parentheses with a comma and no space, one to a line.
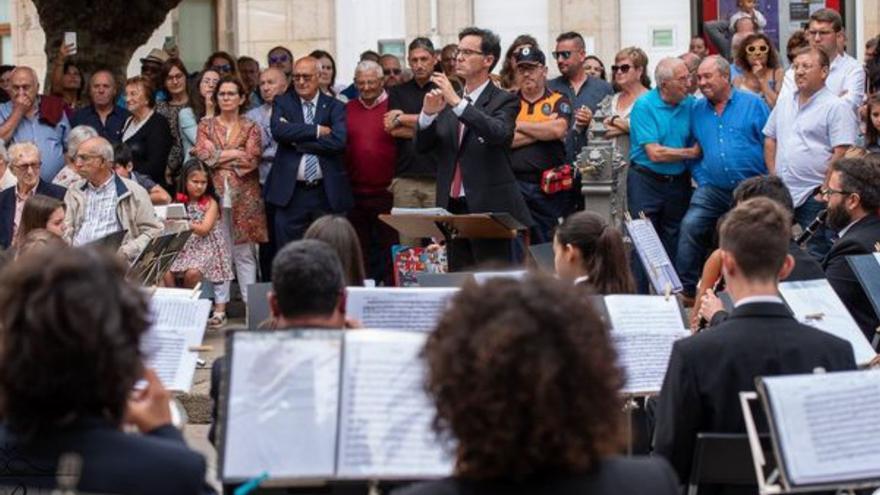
(107,31)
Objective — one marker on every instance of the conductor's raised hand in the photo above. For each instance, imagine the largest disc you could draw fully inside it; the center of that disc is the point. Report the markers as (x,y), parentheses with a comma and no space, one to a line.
(447,90)
(433,102)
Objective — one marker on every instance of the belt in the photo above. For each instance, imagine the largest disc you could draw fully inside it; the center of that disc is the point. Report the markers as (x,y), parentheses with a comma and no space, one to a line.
(310,185)
(647,172)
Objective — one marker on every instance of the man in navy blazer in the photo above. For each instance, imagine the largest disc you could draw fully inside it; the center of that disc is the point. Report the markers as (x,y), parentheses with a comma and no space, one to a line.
(308,177)
(24,159)
(472,134)
(852,194)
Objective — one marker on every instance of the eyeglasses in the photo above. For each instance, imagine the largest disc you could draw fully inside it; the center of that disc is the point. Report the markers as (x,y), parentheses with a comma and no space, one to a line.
(83,157)
(175,77)
(388,72)
(278,59)
(302,77)
(827,191)
(564,54)
(466,52)
(815,33)
(22,167)
(222,68)
(757,48)
(623,68)
(210,81)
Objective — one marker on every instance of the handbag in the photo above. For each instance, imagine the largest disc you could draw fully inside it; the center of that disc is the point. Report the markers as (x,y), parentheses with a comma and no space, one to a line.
(556,179)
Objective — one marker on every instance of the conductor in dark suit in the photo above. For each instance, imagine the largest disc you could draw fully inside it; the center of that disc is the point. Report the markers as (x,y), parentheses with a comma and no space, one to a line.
(67,378)
(25,166)
(761,338)
(308,177)
(524,380)
(853,197)
(472,135)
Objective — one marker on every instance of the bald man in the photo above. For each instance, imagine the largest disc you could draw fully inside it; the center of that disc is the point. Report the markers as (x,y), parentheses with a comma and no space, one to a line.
(30,116)
(308,177)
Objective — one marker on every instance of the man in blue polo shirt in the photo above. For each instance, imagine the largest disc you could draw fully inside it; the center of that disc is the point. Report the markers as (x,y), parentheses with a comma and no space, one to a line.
(103,114)
(657,183)
(728,126)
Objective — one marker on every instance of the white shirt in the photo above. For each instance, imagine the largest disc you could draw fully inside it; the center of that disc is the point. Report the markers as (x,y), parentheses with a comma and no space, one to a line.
(806,136)
(99,215)
(758,299)
(846,79)
(8,180)
(301,173)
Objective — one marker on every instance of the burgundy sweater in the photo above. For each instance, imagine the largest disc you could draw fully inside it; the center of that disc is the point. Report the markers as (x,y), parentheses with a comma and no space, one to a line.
(370,152)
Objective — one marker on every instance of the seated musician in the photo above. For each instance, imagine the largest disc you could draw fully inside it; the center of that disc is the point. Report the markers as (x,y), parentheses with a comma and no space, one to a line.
(761,338)
(526,383)
(70,333)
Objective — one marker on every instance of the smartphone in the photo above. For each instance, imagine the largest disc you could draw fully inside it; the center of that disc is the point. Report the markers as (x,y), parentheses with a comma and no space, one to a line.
(170,44)
(70,39)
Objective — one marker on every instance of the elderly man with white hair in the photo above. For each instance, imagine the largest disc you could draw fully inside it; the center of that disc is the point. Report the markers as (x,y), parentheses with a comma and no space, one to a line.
(658,183)
(24,161)
(370,156)
(104,203)
(7,178)
(30,116)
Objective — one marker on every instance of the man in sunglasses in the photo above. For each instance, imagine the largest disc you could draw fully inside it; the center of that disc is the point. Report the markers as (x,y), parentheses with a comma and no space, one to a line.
(583,92)
(846,76)
(391,70)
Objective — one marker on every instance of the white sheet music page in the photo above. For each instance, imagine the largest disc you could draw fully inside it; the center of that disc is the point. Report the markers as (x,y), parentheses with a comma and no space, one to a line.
(395,308)
(385,420)
(653,255)
(815,303)
(178,324)
(282,405)
(828,425)
(643,331)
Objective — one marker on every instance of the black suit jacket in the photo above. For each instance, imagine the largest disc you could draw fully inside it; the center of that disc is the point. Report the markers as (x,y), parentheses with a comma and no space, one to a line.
(614,476)
(296,138)
(7,207)
(113,461)
(707,371)
(489,183)
(859,239)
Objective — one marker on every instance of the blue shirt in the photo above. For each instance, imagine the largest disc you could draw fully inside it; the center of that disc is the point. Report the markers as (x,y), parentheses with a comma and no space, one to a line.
(653,121)
(110,130)
(50,140)
(732,143)
(591,92)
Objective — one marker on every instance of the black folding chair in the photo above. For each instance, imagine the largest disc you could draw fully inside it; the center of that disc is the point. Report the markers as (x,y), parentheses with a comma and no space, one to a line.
(724,459)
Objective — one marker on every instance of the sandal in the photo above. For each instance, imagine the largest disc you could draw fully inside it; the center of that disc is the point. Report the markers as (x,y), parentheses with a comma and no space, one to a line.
(218,320)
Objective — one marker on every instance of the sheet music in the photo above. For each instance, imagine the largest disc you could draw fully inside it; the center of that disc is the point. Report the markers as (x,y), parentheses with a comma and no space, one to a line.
(178,324)
(815,303)
(828,425)
(282,405)
(639,313)
(643,331)
(415,309)
(653,255)
(420,211)
(644,357)
(483,277)
(385,419)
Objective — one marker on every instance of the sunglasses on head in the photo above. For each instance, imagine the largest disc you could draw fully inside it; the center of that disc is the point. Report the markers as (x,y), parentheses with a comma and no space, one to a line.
(388,72)
(623,68)
(222,68)
(278,59)
(565,54)
(757,48)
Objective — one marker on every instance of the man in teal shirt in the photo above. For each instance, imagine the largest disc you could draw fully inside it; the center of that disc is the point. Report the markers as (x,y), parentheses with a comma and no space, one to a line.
(657,183)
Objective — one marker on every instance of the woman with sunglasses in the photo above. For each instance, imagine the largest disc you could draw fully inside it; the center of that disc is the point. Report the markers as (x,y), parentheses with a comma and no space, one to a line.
(629,74)
(760,70)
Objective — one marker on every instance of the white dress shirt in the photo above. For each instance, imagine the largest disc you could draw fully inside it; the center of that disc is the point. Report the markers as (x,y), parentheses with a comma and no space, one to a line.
(806,136)
(758,299)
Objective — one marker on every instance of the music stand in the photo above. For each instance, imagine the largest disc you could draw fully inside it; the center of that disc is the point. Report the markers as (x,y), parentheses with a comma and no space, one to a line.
(155,260)
(469,226)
